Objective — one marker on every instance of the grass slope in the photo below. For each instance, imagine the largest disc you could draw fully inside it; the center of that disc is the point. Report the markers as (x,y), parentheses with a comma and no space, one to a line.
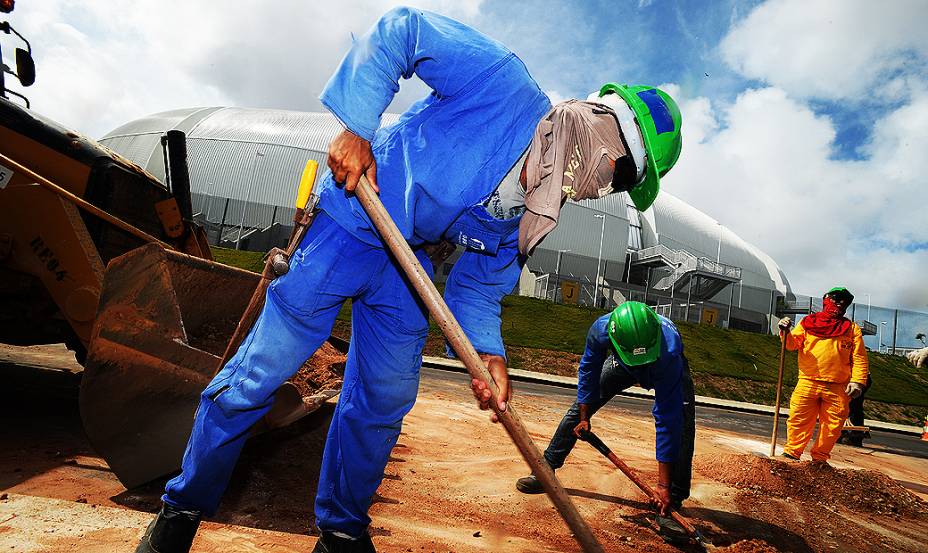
(250,261)
(729,364)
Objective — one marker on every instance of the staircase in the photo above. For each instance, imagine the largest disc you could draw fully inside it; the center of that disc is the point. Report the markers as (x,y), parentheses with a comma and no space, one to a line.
(704,278)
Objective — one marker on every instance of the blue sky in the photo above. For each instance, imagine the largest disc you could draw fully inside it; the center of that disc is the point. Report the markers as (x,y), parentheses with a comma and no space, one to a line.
(804,121)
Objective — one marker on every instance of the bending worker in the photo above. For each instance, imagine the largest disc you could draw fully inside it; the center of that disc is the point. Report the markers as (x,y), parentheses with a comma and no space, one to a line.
(483,162)
(833,369)
(646,349)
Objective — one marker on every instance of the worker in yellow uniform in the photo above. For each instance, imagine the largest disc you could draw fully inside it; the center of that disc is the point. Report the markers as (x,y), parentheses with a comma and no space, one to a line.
(833,369)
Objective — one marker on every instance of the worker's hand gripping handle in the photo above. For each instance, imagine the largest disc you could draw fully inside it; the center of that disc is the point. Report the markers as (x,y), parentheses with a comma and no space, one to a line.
(594,441)
(280,261)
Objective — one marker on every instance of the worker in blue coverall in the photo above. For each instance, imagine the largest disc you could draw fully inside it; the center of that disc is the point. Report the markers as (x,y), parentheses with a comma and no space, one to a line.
(467,165)
(633,345)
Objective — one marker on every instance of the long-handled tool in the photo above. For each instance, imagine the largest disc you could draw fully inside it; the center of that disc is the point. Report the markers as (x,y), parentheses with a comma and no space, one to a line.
(776,407)
(288,403)
(277,262)
(466,353)
(594,441)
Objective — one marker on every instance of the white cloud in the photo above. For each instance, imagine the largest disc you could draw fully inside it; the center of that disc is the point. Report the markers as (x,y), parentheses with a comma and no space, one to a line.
(830,49)
(101,64)
(555,97)
(762,166)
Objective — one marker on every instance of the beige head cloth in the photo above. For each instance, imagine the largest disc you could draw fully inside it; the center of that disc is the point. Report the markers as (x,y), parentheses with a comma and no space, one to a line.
(572,155)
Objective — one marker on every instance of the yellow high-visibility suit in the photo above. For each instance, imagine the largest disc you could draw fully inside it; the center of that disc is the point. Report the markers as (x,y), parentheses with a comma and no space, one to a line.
(826,365)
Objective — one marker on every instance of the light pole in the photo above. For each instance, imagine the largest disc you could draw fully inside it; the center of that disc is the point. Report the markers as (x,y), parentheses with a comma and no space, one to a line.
(557,274)
(868,307)
(880,347)
(602,232)
(718,254)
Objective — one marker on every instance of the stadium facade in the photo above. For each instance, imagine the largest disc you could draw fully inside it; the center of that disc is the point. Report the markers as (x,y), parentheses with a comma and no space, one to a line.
(245,164)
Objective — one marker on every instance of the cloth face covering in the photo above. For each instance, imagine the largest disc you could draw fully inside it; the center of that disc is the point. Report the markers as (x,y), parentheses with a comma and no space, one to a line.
(827,323)
(572,155)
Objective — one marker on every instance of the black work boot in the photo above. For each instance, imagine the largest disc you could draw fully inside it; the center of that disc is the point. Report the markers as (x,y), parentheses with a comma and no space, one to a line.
(529,484)
(330,543)
(171,532)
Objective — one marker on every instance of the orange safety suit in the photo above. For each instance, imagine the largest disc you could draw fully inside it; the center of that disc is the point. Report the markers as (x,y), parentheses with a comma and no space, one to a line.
(826,365)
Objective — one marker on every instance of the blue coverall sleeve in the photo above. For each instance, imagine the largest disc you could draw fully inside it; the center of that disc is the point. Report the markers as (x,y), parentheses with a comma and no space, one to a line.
(474,290)
(445,54)
(591,363)
(668,408)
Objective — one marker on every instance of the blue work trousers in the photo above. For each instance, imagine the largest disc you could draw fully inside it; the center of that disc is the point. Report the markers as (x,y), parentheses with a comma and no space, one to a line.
(389,325)
(615,379)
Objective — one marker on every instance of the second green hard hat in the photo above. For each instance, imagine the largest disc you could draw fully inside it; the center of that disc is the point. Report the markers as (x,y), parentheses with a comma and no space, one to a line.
(635,332)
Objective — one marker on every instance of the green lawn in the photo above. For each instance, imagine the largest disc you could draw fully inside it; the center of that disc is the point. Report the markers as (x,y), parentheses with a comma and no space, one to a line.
(719,358)
(250,261)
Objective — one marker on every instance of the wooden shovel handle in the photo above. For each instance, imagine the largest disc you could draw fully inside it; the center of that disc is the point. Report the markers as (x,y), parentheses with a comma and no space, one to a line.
(597,443)
(465,351)
(776,407)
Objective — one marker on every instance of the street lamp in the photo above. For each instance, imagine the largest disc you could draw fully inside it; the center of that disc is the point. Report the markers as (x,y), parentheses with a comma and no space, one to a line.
(718,253)
(557,274)
(880,348)
(602,232)
(868,307)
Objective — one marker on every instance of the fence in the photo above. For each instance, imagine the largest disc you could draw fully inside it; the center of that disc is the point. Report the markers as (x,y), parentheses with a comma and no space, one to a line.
(886,329)
(242,224)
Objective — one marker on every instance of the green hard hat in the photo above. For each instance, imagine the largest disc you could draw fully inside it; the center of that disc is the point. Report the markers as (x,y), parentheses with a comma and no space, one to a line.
(659,121)
(635,332)
(841,292)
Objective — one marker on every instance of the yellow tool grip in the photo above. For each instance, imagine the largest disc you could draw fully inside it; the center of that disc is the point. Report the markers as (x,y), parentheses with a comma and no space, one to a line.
(307,183)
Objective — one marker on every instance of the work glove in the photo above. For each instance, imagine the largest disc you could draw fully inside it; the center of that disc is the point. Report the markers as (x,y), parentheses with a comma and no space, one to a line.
(785,324)
(854,389)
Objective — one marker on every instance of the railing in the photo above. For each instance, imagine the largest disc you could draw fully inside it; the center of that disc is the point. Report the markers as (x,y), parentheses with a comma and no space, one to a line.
(716,268)
(667,255)
(867,328)
(684,262)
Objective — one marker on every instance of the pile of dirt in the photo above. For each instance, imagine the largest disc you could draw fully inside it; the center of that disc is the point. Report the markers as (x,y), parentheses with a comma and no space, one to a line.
(749,546)
(864,491)
(322,371)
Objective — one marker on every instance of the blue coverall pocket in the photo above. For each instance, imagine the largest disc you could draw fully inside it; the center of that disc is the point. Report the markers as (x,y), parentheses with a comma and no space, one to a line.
(318,269)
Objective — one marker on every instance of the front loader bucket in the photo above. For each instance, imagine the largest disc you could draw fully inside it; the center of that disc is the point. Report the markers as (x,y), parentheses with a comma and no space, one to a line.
(163,322)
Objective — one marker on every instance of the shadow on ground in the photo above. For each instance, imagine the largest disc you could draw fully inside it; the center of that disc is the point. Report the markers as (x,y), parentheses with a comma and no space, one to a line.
(274,483)
(730,528)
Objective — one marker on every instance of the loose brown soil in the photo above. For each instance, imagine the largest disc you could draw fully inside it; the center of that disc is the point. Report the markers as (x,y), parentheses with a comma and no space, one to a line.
(322,371)
(449,486)
(866,491)
(749,546)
